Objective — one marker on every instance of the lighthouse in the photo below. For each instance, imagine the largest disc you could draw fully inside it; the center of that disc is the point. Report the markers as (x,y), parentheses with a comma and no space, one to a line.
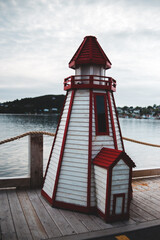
(88,124)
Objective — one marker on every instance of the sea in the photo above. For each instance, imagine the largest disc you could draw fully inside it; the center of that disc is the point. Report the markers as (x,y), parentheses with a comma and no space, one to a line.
(14,155)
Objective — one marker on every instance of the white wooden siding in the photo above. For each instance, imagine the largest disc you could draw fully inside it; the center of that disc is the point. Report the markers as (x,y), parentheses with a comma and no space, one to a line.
(101,187)
(52,169)
(74,169)
(117,130)
(93,193)
(120,182)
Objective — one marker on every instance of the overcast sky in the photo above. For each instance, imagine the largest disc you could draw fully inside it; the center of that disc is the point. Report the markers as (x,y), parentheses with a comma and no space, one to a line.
(39,37)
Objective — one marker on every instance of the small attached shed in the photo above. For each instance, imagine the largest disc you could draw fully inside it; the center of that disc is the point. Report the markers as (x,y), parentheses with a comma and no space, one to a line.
(113,175)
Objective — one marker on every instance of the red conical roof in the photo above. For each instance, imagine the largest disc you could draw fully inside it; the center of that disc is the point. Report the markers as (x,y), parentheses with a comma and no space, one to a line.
(90,52)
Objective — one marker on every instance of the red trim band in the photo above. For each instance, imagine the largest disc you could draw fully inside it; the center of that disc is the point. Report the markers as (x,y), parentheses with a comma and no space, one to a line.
(96,114)
(74,207)
(45,195)
(115,196)
(89,152)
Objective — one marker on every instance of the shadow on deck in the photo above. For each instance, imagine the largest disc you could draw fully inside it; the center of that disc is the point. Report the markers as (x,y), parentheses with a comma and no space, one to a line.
(24,214)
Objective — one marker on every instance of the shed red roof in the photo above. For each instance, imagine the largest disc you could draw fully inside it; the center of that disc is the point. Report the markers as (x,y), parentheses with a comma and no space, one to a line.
(107,158)
(90,52)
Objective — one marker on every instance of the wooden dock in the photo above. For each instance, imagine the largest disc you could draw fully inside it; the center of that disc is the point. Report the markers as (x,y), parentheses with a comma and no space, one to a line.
(24,214)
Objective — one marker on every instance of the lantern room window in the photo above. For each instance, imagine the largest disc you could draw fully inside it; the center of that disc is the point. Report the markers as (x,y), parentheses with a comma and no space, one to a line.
(101,114)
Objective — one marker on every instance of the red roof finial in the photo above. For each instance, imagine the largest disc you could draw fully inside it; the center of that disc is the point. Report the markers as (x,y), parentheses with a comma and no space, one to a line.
(90,52)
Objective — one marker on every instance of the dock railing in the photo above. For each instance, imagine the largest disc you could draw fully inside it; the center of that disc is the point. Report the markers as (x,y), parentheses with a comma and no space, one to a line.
(35,179)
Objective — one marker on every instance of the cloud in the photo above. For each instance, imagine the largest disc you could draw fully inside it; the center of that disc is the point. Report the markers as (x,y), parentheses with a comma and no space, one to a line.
(39,37)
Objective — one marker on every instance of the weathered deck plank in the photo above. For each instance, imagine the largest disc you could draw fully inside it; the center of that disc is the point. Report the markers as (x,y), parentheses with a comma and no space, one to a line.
(63,225)
(6,221)
(149,202)
(101,224)
(26,215)
(33,221)
(47,222)
(77,225)
(19,220)
(87,222)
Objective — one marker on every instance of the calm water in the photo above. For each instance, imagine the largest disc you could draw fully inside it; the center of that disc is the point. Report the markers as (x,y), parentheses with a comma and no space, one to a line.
(14,155)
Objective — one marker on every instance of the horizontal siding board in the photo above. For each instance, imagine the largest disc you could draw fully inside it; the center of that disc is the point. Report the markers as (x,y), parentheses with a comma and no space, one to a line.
(82,148)
(72,201)
(102,138)
(73,187)
(49,186)
(81,102)
(79,124)
(101,205)
(82,94)
(100,146)
(119,182)
(80,111)
(120,172)
(79,142)
(51,176)
(46,190)
(78,138)
(79,120)
(74,164)
(76,182)
(81,107)
(72,160)
(120,177)
(82,174)
(55,156)
(101,194)
(80,115)
(60,132)
(100,176)
(55,150)
(77,133)
(73,155)
(100,182)
(98,169)
(122,167)
(64,117)
(100,187)
(75,194)
(119,191)
(76,151)
(52,172)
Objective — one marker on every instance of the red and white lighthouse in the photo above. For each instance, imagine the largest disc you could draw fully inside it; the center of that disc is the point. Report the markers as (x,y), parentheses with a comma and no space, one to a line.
(88,123)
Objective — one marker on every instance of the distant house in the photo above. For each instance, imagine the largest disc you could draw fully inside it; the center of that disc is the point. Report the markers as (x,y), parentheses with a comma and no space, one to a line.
(54,109)
(136,111)
(119,110)
(46,110)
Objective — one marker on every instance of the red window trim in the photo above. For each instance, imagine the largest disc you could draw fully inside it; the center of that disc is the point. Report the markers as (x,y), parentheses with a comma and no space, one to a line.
(114,202)
(96,116)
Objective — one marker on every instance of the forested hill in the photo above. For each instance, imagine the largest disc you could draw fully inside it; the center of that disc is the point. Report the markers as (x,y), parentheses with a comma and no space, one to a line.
(42,104)
(54,103)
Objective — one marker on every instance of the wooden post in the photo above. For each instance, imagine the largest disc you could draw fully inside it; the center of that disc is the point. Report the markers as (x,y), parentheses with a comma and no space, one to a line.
(36,160)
